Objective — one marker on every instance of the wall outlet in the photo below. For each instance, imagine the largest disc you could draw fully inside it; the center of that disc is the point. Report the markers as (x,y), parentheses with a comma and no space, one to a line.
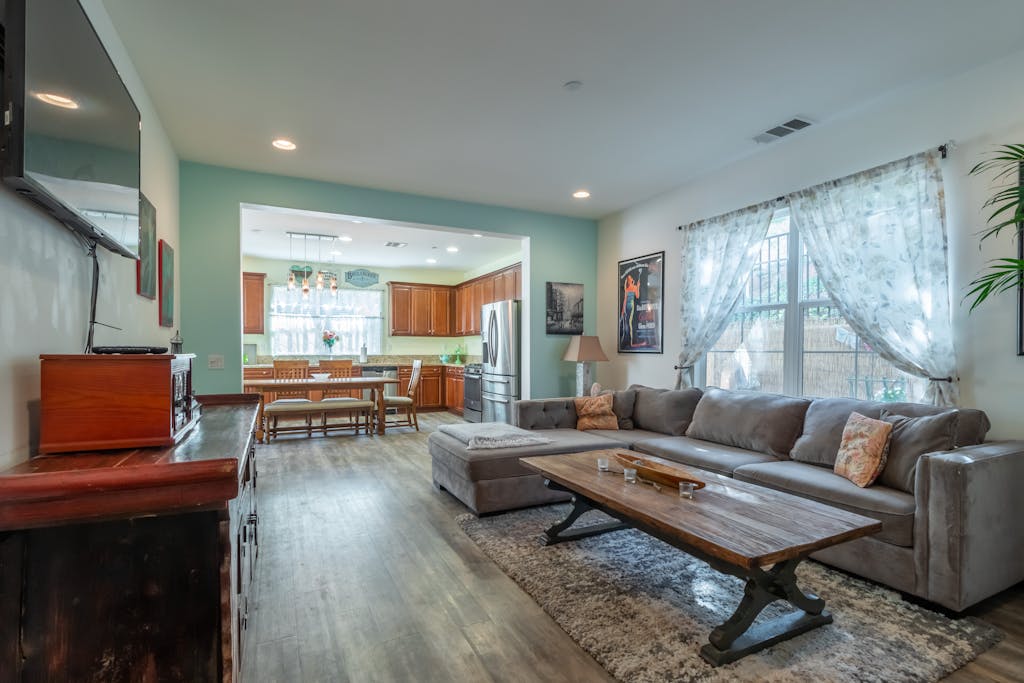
(215,361)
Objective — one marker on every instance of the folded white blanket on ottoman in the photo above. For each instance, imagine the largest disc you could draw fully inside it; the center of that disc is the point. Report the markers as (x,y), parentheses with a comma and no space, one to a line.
(483,435)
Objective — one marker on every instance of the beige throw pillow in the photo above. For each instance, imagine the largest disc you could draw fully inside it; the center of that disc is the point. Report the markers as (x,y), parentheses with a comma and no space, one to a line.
(595,412)
(863,450)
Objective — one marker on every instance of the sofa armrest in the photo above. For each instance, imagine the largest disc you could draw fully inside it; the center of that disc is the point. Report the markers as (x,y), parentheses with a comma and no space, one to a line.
(971,521)
(545,413)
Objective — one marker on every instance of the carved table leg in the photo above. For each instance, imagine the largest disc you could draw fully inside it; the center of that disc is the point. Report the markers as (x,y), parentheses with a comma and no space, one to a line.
(558,533)
(732,639)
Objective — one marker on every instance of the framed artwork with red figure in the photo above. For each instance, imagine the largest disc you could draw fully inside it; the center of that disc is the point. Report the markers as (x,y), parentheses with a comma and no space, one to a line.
(641,299)
(166,266)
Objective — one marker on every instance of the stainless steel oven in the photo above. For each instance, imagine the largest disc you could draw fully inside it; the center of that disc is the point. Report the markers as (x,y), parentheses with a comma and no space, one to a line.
(472,408)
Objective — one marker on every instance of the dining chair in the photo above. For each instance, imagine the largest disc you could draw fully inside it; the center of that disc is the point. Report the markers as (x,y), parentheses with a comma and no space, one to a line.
(406,403)
(359,413)
(288,403)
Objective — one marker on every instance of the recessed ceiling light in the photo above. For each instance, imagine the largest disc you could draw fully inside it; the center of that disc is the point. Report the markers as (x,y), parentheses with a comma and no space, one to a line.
(431,260)
(357,221)
(284,143)
(452,250)
(56,100)
(345,238)
(476,234)
(581,194)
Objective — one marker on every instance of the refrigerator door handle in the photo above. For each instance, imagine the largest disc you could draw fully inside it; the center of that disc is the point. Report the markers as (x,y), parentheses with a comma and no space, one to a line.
(492,334)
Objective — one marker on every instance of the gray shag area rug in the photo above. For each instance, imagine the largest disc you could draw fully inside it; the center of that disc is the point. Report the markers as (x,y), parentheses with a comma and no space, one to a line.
(643,609)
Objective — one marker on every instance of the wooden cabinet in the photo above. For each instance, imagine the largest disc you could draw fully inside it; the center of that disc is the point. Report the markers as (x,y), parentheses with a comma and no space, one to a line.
(420,310)
(423,310)
(400,305)
(454,389)
(431,392)
(252,302)
(132,565)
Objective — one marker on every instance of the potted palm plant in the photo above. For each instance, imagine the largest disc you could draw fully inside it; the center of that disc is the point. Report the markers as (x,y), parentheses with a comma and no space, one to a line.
(1007,211)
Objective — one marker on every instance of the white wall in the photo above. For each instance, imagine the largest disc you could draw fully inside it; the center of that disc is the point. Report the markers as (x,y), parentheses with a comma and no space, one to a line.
(46,276)
(976,109)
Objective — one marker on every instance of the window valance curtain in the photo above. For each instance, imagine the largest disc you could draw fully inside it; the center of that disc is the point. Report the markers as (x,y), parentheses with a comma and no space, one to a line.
(716,258)
(878,242)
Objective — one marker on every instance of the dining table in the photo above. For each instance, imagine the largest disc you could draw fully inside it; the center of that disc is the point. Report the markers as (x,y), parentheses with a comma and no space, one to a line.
(314,386)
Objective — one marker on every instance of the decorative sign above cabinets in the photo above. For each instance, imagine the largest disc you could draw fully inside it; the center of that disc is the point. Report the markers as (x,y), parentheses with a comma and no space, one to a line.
(361,277)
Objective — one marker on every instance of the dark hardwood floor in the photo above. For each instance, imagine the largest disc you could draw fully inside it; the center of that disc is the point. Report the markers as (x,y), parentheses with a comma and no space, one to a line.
(363,575)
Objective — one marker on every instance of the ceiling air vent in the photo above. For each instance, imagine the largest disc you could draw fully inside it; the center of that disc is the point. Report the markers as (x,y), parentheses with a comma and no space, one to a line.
(396,245)
(782,130)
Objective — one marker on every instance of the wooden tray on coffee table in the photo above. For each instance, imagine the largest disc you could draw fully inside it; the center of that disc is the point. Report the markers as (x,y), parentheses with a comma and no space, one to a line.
(657,472)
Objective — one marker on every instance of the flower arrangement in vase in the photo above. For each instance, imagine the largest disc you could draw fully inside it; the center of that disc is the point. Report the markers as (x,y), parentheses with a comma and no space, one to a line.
(329,338)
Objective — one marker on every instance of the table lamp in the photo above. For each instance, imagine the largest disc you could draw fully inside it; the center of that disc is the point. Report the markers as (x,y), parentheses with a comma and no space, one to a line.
(582,350)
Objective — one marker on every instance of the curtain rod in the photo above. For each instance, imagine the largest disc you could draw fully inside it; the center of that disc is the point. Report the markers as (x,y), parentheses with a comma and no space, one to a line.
(944,149)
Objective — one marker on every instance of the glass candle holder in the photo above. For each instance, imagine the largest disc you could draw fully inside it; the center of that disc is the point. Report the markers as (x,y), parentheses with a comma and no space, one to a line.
(686,489)
(602,464)
(629,474)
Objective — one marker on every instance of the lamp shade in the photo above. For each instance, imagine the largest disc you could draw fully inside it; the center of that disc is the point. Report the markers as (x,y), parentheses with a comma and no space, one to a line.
(583,349)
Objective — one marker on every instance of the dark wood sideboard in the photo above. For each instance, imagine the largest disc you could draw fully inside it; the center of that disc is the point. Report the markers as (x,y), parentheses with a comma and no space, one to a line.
(135,564)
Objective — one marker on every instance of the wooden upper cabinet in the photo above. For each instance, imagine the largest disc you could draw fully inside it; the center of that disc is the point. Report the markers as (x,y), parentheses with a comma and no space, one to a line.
(400,301)
(459,311)
(441,311)
(421,310)
(517,275)
(477,301)
(252,302)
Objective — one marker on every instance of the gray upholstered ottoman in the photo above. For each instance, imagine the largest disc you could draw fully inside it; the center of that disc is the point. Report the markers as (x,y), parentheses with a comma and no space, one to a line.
(490,480)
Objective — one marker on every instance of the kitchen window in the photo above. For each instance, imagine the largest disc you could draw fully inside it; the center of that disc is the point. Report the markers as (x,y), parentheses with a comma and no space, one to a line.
(297,323)
(787,336)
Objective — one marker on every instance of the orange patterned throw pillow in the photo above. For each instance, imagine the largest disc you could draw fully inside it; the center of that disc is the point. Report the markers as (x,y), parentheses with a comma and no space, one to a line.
(595,412)
(863,450)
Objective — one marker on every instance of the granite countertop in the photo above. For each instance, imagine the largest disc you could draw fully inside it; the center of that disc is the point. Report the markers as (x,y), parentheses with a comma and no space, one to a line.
(267,362)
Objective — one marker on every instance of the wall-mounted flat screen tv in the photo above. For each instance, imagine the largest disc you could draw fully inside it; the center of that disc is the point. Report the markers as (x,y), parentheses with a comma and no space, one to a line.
(70,136)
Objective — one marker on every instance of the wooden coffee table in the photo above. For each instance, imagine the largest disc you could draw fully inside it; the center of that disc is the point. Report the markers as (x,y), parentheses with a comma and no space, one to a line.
(749,531)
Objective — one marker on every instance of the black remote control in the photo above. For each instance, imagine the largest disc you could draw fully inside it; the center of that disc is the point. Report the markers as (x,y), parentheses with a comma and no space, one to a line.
(129,349)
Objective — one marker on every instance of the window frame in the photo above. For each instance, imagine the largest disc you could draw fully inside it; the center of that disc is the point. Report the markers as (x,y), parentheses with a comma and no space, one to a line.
(320,320)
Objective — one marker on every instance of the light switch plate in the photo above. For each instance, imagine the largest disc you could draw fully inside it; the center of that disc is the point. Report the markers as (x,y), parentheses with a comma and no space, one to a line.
(215,361)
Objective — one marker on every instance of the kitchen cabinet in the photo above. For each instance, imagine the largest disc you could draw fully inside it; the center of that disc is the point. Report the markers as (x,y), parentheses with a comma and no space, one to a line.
(400,308)
(431,392)
(454,389)
(420,310)
(252,302)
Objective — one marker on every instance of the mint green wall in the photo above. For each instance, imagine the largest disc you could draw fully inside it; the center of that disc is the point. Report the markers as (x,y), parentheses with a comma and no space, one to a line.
(562,249)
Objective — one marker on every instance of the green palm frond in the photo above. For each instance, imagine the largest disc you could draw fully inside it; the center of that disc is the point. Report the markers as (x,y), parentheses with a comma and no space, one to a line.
(1007,211)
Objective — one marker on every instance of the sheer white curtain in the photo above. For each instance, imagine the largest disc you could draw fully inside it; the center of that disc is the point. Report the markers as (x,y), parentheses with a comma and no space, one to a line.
(717,255)
(878,242)
(297,324)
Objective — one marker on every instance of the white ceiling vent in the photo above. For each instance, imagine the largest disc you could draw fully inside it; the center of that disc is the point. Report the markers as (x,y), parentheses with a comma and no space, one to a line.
(396,245)
(782,130)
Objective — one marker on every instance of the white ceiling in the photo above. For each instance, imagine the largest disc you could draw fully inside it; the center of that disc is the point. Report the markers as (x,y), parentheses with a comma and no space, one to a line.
(265,234)
(463,99)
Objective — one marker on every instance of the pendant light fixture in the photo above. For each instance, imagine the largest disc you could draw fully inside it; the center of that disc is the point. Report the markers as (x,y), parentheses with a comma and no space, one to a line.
(291,273)
(306,270)
(319,272)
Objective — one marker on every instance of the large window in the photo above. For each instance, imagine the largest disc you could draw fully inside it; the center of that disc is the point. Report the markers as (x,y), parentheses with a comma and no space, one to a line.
(787,336)
(297,323)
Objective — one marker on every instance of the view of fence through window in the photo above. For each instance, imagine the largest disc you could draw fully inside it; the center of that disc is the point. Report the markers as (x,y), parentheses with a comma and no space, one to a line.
(823,356)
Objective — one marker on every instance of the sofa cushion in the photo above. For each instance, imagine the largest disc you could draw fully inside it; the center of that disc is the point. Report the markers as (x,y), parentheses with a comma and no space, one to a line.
(704,454)
(894,509)
(862,453)
(622,405)
(912,437)
(595,412)
(546,413)
(475,465)
(663,410)
(627,438)
(826,417)
(766,423)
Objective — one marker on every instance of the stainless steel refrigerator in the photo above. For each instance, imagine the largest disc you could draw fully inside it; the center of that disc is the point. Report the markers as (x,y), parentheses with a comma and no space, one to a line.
(499,330)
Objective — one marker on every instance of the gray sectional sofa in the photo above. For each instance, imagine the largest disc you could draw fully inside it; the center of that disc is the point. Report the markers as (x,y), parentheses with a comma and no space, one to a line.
(950,503)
